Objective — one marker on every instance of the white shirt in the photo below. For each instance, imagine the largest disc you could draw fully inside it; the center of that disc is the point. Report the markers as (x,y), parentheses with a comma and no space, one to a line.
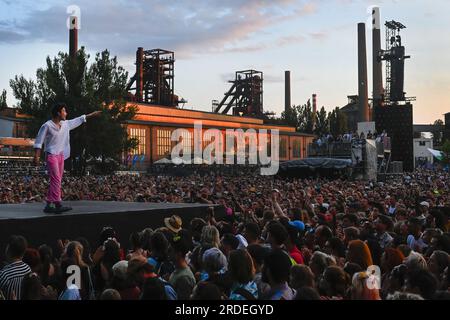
(56,139)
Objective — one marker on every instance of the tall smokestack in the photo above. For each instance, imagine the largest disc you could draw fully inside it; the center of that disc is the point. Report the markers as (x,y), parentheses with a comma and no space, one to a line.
(139,74)
(362,75)
(314,109)
(73,37)
(287,91)
(376,61)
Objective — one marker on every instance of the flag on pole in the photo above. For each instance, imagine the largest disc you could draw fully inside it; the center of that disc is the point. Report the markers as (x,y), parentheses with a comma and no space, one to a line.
(437,154)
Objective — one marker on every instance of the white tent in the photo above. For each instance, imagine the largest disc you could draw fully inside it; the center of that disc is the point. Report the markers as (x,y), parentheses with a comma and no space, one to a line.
(163,161)
(177,161)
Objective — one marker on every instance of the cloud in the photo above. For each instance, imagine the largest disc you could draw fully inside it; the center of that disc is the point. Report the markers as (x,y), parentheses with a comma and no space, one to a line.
(307,9)
(249,48)
(280,42)
(318,35)
(189,27)
(225,77)
(10,36)
(301,79)
(288,40)
(270,78)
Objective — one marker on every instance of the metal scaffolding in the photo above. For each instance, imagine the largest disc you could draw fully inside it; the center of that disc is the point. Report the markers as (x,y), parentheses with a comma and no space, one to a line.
(154,78)
(245,96)
(394,55)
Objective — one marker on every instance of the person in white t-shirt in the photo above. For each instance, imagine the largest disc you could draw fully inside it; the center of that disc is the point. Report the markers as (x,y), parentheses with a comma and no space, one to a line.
(55,135)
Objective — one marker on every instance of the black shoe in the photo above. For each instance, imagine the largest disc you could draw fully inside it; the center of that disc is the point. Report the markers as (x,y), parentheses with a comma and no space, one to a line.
(60,208)
(50,208)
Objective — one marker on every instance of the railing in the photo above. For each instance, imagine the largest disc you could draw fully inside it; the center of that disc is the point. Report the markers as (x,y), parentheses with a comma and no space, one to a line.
(10,153)
(330,150)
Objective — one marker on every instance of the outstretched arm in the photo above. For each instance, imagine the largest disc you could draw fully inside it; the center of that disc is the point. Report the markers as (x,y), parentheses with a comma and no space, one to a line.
(74,123)
(93,114)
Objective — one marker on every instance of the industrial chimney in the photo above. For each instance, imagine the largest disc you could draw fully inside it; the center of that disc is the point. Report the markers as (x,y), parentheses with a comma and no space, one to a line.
(73,37)
(376,59)
(314,109)
(362,75)
(287,91)
(139,74)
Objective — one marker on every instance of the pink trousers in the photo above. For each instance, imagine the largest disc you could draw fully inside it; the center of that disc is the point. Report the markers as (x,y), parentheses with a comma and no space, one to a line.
(55,168)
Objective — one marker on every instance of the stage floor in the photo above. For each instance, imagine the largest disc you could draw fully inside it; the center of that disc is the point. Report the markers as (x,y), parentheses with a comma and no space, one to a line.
(88,218)
(35,210)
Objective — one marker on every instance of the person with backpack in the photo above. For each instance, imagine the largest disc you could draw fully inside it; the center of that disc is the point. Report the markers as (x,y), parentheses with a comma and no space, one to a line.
(242,271)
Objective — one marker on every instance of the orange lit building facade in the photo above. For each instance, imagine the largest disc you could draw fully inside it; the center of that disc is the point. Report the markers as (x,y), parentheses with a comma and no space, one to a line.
(153,127)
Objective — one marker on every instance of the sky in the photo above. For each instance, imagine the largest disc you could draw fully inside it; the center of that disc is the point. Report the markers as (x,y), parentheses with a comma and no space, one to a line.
(315,39)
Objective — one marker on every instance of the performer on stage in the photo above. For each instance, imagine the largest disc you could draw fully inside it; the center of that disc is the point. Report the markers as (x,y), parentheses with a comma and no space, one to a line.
(55,135)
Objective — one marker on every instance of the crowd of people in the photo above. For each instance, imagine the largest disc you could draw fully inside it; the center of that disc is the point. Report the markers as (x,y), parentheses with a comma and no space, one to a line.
(280,239)
(18,168)
(348,137)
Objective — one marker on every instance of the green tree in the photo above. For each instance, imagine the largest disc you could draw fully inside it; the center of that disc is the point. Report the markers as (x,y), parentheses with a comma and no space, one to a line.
(290,117)
(305,116)
(3,104)
(332,118)
(300,117)
(338,122)
(322,122)
(101,86)
(437,132)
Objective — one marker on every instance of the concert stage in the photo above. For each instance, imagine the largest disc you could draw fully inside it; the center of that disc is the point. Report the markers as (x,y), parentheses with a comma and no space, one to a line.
(88,218)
